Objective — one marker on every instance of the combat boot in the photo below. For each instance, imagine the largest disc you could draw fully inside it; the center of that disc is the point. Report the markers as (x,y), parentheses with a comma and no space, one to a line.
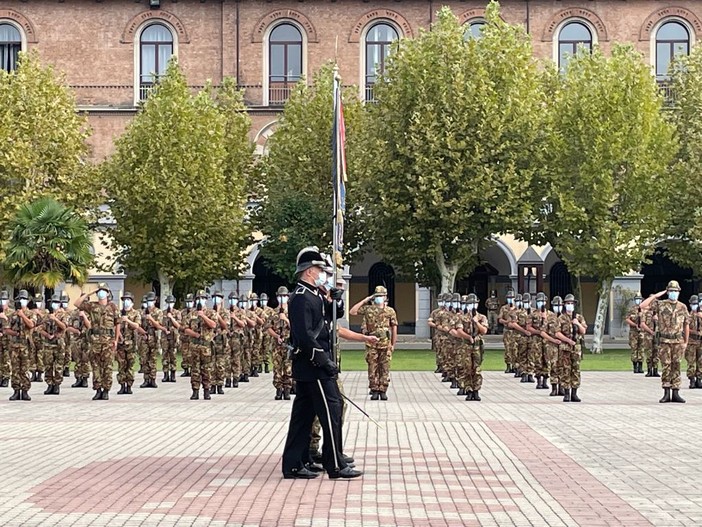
(524,377)
(666,396)
(128,390)
(33,378)
(517,373)
(98,394)
(469,395)
(220,390)
(530,378)
(698,385)
(286,394)
(195,395)
(166,377)
(375,396)
(84,382)
(206,394)
(57,390)
(278,394)
(173,376)
(66,372)
(692,383)
(4,382)
(105,395)
(185,373)
(641,367)
(152,383)
(649,373)
(235,383)
(461,391)
(636,366)
(561,390)
(554,390)
(145,384)
(254,372)
(437,370)
(122,389)
(574,395)
(24,395)
(265,368)
(676,397)
(49,389)
(39,379)
(539,382)
(454,384)
(508,370)
(655,373)
(476,396)
(260,368)
(228,382)
(15,396)
(566,397)
(244,378)
(383,396)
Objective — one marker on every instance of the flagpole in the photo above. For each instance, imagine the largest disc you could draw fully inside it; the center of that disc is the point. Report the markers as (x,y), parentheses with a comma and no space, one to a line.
(336,352)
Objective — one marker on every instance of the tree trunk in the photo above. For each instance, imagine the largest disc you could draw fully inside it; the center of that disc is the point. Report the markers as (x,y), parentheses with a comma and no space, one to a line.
(165,287)
(602,305)
(448,272)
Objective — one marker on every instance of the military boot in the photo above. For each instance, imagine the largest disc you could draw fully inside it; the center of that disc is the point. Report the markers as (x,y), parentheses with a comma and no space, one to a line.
(220,390)
(655,373)
(254,372)
(383,396)
(676,397)
(4,382)
(49,390)
(375,396)
(524,377)
(544,382)
(152,383)
(195,395)
(292,390)
(641,367)
(698,385)
(561,390)
(461,391)
(39,379)
(98,394)
(57,390)
(554,390)
(228,382)
(286,394)
(574,395)
(454,384)
(66,372)
(128,390)
(517,373)
(185,373)
(636,366)
(260,368)
(244,378)
(265,368)
(166,377)
(33,378)
(278,394)
(173,376)
(649,373)
(530,378)
(105,395)
(539,382)
(469,395)
(566,397)
(666,396)
(122,389)
(508,370)
(693,381)
(235,383)
(476,396)
(437,370)
(145,384)
(206,394)
(79,381)
(24,395)
(84,382)
(15,396)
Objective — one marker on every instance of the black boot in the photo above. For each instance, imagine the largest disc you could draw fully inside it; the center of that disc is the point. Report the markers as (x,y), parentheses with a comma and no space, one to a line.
(383,396)
(4,382)
(554,390)
(57,390)
(286,394)
(15,396)
(375,396)
(524,378)
(666,396)
(122,389)
(508,370)
(641,367)
(566,397)
(292,390)
(676,397)
(98,394)
(461,391)
(561,390)
(538,382)
(636,366)
(574,395)
(245,378)
(228,382)
(49,390)
(220,390)
(66,372)
(145,384)
(173,376)
(128,390)
(33,378)
(437,370)
(517,373)
(476,396)
(265,368)
(152,383)
(655,373)
(206,394)
(84,382)
(195,395)
(530,378)
(254,372)
(166,377)
(235,383)
(698,385)
(24,395)
(693,381)
(649,373)
(105,395)
(260,368)
(469,395)
(185,373)
(39,379)
(278,394)
(454,384)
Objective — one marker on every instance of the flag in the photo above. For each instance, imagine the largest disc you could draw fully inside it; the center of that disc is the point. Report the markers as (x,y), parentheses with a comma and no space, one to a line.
(338,169)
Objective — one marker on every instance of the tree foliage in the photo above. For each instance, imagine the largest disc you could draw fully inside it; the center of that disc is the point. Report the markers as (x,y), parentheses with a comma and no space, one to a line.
(452,144)
(175,185)
(43,141)
(606,168)
(49,244)
(295,186)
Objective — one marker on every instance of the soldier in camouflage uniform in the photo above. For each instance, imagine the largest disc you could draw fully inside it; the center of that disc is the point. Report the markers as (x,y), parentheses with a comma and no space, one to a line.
(50,330)
(67,335)
(127,346)
(470,327)
(266,340)
(5,314)
(452,343)
(104,336)
(278,328)
(379,320)
(463,347)
(633,319)
(572,327)
(551,345)
(648,336)
(237,327)
(200,326)
(246,338)
(36,346)
(79,329)
(142,345)
(504,317)
(674,328)
(536,324)
(519,323)
(184,339)
(220,345)
(21,324)
(153,322)
(435,333)
(170,341)
(694,345)
(492,305)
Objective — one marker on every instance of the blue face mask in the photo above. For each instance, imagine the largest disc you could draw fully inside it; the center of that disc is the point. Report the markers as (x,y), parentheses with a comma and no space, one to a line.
(539,304)
(128,304)
(379,300)
(637,301)
(673,295)
(102,294)
(510,301)
(321,279)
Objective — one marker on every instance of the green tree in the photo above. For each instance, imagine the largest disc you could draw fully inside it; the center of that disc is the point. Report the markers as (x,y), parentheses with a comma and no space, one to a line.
(43,141)
(452,144)
(606,169)
(683,234)
(175,186)
(295,188)
(49,244)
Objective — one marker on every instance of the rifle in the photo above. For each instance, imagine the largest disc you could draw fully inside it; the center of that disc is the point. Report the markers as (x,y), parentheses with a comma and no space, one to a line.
(124,325)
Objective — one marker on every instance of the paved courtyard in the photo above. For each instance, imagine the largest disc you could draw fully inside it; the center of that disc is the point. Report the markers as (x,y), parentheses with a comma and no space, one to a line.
(519,457)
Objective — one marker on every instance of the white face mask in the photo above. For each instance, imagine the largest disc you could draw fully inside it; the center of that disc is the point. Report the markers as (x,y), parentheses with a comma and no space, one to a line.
(102,294)
(170,305)
(189,305)
(232,302)
(472,307)
(252,303)
(216,300)
(455,305)
(282,299)
(569,308)
(24,302)
(330,282)
(510,301)
(128,304)
(539,304)
(321,279)
(38,304)
(518,305)
(55,305)
(264,303)
(64,305)
(201,303)
(150,304)
(673,295)
(464,307)
(379,300)
(441,304)
(143,305)
(694,307)
(4,302)
(557,309)
(242,305)
(637,301)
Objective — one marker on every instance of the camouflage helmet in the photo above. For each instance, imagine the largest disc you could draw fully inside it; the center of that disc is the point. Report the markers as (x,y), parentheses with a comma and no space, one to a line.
(380,291)
(232,296)
(243,298)
(143,299)
(151,296)
(189,297)
(128,295)
(541,297)
(557,301)
(456,297)
(22,295)
(569,298)
(510,293)
(64,297)
(56,297)
(38,297)
(638,296)
(218,293)
(282,291)
(170,299)
(464,299)
(201,293)
(103,286)
(473,298)
(526,297)
(253,296)
(4,295)
(673,285)
(517,297)
(264,296)
(694,299)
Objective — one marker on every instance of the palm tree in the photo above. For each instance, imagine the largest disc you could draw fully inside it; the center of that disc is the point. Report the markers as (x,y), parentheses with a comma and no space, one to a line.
(49,244)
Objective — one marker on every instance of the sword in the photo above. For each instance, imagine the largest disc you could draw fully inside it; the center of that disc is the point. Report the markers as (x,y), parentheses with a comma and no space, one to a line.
(376,423)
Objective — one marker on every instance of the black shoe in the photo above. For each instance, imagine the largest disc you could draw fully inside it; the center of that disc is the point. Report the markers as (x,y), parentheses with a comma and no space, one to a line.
(49,390)
(173,376)
(300,473)
(666,396)
(228,382)
(636,367)
(574,395)
(375,396)
(461,391)
(530,378)
(314,467)
(554,390)
(469,395)
(655,373)
(15,396)
(524,378)
(278,395)
(84,382)
(145,384)
(33,378)
(98,394)
(676,397)
(244,378)
(698,385)
(345,473)
(566,397)
(220,390)
(57,390)
(561,390)
(476,396)
(446,379)
(66,372)
(195,395)
(454,384)
(286,394)
(24,395)
(4,383)
(538,382)
(517,373)
(122,389)
(206,394)
(347,459)
(508,370)
(260,368)
(152,384)
(265,368)
(128,390)
(437,370)
(254,372)
(692,383)
(649,373)
(383,396)
(39,378)
(235,383)
(105,395)
(166,377)
(186,372)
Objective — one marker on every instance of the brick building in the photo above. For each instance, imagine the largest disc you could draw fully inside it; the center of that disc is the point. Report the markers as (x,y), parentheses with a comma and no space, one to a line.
(112,51)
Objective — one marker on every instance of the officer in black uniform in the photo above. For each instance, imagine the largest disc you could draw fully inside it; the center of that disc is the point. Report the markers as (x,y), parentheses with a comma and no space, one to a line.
(315,372)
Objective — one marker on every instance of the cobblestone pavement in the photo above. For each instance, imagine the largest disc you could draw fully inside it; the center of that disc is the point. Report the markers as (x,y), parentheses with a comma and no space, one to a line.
(519,457)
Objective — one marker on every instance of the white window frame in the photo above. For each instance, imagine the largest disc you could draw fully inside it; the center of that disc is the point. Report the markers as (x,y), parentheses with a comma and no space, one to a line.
(557,35)
(18,27)
(362,42)
(266,58)
(654,38)
(137,51)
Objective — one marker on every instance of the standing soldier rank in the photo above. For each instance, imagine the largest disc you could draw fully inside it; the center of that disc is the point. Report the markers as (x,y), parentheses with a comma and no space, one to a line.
(572,327)
(22,322)
(170,340)
(634,319)
(278,328)
(50,330)
(127,347)
(5,314)
(200,326)
(492,305)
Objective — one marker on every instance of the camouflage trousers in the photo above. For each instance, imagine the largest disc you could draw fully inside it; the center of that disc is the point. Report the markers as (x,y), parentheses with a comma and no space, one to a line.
(470,376)
(492,322)
(693,357)
(126,357)
(101,360)
(282,368)
(451,345)
(256,351)
(552,355)
(245,354)
(234,363)
(169,360)
(5,365)
(67,349)
(507,343)
(569,366)
(153,347)
(81,357)
(267,348)
(538,361)
(440,351)
(54,357)
(200,365)
(671,355)
(36,355)
(650,351)
(525,365)
(219,363)
(636,345)
(378,360)
(19,360)
(185,351)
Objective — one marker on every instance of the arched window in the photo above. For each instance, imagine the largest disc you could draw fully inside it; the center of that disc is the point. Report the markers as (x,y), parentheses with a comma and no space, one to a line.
(378,41)
(570,38)
(474,29)
(284,62)
(672,40)
(155,50)
(10,46)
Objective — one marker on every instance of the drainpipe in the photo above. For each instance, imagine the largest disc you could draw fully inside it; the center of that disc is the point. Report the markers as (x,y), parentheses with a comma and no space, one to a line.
(527,16)
(221,41)
(237,42)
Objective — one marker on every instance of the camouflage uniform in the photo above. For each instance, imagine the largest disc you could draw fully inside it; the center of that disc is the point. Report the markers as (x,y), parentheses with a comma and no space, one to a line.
(435,334)
(185,339)
(104,320)
(440,318)
(693,352)
(127,347)
(508,336)
(53,347)
(200,347)
(378,320)
(142,339)
(282,366)
(79,349)
(569,357)
(66,317)
(537,350)
(635,316)
(673,319)
(20,350)
(551,328)
(5,314)
(220,349)
(492,305)
(472,377)
(152,341)
(526,365)
(463,347)
(649,347)
(267,342)
(170,341)
(451,344)
(236,335)
(247,342)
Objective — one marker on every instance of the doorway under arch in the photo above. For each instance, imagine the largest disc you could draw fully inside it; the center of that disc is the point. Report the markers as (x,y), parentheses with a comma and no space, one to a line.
(383,274)
(267,281)
(662,270)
